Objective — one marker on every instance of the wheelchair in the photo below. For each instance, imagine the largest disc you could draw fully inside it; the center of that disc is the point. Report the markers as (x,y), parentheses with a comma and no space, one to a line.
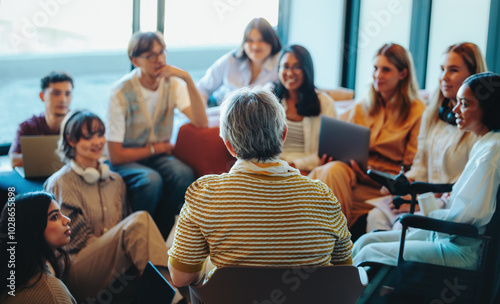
(418,282)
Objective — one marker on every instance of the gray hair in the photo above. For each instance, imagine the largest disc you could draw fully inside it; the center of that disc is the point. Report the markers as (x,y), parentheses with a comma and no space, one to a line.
(253,121)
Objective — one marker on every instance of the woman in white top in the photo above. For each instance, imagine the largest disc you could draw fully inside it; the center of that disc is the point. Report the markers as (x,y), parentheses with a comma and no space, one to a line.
(253,63)
(473,198)
(443,149)
(303,106)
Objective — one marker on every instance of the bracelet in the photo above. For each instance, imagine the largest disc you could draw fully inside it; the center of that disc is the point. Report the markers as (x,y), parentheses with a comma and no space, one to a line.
(152,149)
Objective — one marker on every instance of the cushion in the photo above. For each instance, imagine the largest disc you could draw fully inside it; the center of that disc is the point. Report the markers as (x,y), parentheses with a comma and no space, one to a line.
(340,93)
(203,150)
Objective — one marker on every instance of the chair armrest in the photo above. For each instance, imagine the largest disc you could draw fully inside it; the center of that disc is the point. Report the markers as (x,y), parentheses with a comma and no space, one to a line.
(427,223)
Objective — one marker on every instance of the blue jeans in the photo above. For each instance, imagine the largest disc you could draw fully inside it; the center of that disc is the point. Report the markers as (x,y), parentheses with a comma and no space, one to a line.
(157,184)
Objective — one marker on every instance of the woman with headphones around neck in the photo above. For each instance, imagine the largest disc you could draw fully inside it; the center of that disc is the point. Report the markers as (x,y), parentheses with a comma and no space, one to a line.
(443,149)
(105,244)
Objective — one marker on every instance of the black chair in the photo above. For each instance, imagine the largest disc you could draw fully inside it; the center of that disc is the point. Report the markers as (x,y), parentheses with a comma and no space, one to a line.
(293,285)
(417,282)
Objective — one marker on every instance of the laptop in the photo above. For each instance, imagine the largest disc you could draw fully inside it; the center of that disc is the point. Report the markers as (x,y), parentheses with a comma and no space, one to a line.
(344,141)
(40,159)
(153,288)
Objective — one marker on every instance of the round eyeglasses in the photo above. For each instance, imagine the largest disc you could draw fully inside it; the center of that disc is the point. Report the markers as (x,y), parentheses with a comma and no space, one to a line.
(153,57)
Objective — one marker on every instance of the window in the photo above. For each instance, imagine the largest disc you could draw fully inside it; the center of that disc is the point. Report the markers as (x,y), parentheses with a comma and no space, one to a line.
(212,23)
(381,21)
(88,39)
(455,21)
(48,35)
(321,34)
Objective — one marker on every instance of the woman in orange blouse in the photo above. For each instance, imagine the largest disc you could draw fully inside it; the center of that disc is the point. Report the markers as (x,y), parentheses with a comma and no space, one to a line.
(392,111)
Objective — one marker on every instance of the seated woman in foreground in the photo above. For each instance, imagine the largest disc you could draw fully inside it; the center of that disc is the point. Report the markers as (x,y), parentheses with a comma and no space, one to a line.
(38,259)
(263,212)
(473,198)
(303,106)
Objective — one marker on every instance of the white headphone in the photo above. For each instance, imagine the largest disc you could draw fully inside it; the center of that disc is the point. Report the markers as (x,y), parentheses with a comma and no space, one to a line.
(91,175)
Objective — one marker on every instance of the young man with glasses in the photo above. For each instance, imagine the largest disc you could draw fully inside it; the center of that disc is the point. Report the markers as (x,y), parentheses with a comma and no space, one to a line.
(140,122)
(56,94)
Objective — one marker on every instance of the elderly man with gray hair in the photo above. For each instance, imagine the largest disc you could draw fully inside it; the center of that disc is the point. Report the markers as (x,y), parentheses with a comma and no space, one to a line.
(263,212)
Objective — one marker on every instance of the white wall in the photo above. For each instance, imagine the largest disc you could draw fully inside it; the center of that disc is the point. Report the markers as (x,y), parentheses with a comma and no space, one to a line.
(455,21)
(317,25)
(381,21)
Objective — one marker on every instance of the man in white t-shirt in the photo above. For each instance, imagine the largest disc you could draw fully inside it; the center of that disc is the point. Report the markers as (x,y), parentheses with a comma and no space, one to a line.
(140,121)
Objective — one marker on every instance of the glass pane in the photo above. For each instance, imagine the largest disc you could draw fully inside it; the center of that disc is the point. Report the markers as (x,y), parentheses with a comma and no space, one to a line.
(202,23)
(37,37)
(381,21)
(455,21)
(149,13)
(325,51)
(64,26)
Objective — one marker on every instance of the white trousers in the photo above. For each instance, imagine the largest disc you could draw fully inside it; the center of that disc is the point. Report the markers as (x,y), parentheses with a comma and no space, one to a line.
(420,245)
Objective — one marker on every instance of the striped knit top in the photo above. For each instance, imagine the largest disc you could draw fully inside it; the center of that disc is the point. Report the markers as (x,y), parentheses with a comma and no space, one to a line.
(259,219)
(295,137)
(46,289)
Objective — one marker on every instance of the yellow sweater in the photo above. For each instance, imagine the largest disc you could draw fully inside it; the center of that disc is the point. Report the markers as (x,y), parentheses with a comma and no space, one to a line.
(251,219)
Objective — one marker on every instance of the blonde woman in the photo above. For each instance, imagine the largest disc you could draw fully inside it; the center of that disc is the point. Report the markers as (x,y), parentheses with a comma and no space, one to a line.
(443,149)
(473,198)
(392,111)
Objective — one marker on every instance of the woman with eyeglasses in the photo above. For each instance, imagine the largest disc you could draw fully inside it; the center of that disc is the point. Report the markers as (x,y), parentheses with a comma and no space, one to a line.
(253,63)
(33,231)
(392,111)
(303,106)
(443,149)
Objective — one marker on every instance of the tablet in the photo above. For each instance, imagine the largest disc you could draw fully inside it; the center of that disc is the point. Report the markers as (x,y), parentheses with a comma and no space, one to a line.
(344,141)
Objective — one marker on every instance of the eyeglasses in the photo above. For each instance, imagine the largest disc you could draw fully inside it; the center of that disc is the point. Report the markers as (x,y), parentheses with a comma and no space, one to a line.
(153,57)
(295,69)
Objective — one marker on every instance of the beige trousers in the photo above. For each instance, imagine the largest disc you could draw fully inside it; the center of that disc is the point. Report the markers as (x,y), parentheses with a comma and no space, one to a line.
(351,195)
(102,269)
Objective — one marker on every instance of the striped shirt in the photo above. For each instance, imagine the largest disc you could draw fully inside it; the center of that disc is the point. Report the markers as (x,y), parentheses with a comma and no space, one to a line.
(242,218)
(47,289)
